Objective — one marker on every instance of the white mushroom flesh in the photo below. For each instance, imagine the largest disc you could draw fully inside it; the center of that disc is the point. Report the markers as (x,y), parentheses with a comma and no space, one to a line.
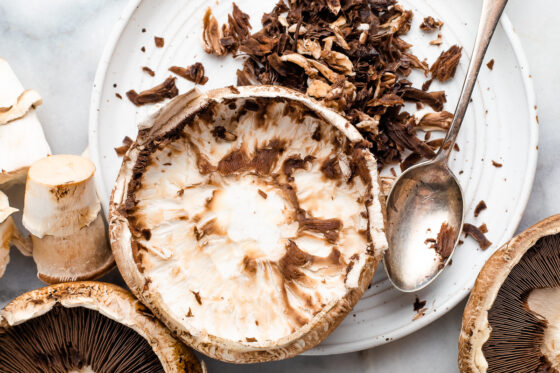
(9,234)
(225,251)
(60,197)
(546,303)
(22,140)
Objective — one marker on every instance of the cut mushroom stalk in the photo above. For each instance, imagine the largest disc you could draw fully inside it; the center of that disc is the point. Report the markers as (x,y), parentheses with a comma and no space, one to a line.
(22,140)
(10,234)
(63,215)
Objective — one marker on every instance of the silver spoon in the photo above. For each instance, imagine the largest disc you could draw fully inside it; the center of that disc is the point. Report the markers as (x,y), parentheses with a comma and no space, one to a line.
(428,195)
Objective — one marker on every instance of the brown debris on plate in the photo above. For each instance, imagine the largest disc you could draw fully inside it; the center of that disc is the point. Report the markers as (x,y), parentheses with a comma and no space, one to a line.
(483,228)
(194,73)
(159,41)
(477,235)
(220,41)
(148,71)
(446,65)
(436,121)
(496,164)
(238,28)
(126,143)
(419,308)
(479,208)
(410,161)
(430,24)
(118,96)
(349,55)
(490,64)
(437,41)
(160,92)
(418,304)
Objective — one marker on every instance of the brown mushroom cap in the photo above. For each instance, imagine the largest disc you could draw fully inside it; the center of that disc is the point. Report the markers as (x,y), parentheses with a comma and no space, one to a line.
(479,320)
(112,302)
(137,255)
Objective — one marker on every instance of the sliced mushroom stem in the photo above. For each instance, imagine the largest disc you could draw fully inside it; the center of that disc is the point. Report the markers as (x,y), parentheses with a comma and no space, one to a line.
(22,140)
(10,234)
(63,215)
(60,196)
(79,256)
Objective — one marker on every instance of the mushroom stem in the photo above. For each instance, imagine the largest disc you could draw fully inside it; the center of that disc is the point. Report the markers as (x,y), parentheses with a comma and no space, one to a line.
(546,304)
(82,255)
(63,214)
(60,196)
(10,234)
(22,140)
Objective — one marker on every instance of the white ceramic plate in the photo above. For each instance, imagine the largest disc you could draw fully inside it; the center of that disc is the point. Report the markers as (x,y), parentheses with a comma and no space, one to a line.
(500,125)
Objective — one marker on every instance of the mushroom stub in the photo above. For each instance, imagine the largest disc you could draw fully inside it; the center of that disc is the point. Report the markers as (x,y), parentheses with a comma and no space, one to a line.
(249,219)
(88,327)
(22,140)
(10,234)
(512,319)
(63,215)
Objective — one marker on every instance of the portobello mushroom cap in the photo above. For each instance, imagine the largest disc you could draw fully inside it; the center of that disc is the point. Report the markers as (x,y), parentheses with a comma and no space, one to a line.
(249,219)
(512,319)
(88,327)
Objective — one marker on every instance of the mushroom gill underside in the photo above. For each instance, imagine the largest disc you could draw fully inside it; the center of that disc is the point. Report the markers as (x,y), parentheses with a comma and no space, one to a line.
(252,219)
(523,331)
(75,340)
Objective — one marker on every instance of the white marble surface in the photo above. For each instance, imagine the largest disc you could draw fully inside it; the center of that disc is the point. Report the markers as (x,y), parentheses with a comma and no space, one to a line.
(54,47)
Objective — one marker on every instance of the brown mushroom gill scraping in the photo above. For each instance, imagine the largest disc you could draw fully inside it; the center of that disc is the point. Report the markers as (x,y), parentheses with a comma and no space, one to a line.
(194,73)
(446,65)
(87,327)
(477,234)
(347,54)
(160,92)
(267,218)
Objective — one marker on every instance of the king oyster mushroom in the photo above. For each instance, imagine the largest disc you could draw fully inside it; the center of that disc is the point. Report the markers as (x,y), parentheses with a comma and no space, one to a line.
(10,234)
(249,220)
(63,215)
(88,327)
(512,319)
(22,140)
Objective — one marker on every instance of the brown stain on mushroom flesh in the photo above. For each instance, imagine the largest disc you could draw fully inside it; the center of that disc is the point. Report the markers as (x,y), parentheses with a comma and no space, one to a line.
(218,156)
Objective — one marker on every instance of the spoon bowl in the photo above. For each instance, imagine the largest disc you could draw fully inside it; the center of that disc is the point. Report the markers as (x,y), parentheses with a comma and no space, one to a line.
(426,196)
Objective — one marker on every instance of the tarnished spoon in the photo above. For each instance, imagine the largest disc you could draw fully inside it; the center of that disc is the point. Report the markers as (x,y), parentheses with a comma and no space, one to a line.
(428,195)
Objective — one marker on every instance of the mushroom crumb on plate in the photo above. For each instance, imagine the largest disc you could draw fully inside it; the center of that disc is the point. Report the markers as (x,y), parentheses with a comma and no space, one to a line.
(160,92)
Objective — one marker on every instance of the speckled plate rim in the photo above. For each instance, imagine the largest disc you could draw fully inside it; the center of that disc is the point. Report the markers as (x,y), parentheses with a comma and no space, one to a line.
(407,328)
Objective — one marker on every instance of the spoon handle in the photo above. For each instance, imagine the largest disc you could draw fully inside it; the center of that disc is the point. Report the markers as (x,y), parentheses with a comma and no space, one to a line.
(491,12)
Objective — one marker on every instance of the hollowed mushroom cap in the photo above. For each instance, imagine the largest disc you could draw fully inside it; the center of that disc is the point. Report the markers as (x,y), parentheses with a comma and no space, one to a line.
(249,219)
(506,325)
(111,302)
